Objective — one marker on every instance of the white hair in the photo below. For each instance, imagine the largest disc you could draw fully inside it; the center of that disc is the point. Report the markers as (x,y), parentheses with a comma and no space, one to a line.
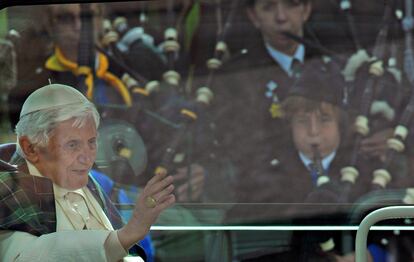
(38,125)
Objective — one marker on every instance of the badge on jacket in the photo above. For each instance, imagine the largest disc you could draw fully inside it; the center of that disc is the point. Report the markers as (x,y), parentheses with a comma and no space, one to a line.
(274,109)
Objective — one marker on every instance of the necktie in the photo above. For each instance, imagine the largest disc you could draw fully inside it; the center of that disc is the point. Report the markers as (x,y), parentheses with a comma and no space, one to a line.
(79,210)
(296,68)
(314,172)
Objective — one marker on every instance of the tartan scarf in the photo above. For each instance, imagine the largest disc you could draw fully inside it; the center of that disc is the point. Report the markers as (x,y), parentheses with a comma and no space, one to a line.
(28,204)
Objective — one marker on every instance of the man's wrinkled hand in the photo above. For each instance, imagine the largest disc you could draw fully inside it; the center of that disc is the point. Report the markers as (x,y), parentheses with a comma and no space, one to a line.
(160,191)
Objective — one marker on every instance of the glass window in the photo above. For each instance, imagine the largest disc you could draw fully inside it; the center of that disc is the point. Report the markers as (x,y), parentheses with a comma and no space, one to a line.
(283,122)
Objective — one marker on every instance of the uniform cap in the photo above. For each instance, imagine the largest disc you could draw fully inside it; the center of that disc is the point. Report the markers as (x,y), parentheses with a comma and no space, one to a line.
(320,82)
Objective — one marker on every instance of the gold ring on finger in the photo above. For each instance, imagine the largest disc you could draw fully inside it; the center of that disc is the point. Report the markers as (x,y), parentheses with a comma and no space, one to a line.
(150,202)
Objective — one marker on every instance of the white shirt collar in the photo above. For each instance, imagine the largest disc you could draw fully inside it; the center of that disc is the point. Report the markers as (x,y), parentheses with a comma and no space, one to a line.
(326,161)
(284,60)
(63,217)
(59,191)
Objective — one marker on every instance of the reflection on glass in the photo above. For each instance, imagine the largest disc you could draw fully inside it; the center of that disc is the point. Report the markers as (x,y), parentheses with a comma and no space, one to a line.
(284,113)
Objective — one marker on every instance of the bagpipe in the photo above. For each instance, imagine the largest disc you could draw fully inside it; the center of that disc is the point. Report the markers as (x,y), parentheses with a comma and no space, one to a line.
(122,153)
(349,174)
(366,83)
(195,140)
(166,125)
(392,112)
(373,84)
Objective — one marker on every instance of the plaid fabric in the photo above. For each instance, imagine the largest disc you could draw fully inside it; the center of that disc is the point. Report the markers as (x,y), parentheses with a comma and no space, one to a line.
(110,210)
(27,203)
(113,214)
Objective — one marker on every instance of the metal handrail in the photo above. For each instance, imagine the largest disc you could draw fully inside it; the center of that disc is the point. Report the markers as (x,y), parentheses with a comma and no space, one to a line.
(372,218)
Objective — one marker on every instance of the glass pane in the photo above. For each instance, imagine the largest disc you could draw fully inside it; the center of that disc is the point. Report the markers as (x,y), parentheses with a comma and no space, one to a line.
(276,118)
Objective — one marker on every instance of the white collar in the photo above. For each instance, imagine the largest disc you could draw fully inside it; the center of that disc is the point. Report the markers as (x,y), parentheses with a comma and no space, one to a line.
(326,161)
(284,60)
(59,191)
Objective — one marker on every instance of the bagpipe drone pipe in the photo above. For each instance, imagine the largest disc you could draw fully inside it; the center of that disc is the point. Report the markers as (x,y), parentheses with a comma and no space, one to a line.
(195,140)
(173,120)
(380,103)
(373,86)
(376,93)
(398,143)
(122,152)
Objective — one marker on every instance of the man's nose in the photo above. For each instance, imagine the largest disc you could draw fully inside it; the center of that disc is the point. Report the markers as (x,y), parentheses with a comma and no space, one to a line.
(86,156)
(280,14)
(314,127)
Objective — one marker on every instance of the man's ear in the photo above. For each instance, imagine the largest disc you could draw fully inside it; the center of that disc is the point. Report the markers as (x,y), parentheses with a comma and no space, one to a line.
(28,149)
(251,14)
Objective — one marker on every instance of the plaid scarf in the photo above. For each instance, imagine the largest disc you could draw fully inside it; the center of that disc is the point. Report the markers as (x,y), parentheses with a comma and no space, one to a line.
(27,203)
